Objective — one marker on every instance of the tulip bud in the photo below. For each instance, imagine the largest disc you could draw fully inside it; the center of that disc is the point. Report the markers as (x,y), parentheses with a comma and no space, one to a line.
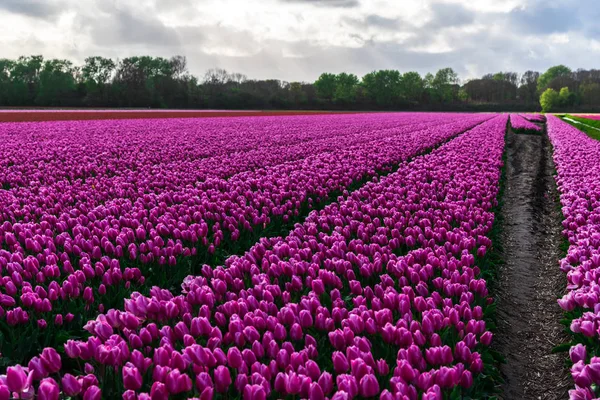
(16,378)
(369,386)
(70,385)
(92,393)
(48,390)
(132,379)
(222,379)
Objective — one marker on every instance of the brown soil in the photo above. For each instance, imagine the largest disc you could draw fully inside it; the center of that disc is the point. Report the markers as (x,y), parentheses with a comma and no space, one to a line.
(530,281)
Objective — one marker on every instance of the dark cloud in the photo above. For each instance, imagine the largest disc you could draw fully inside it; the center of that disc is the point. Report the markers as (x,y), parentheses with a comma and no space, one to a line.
(446,15)
(122,27)
(382,22)
(327,3)
(32,8)
(543,19)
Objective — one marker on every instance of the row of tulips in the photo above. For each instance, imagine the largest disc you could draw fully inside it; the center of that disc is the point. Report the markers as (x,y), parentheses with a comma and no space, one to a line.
(61,265)
(592,116)
(577,159)
(522,125)
(378,295)
(537,118)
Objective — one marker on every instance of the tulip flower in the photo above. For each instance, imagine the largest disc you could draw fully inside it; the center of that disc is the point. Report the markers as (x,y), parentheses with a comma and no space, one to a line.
(16,379)
(70,385)
(132,378)
(48,390)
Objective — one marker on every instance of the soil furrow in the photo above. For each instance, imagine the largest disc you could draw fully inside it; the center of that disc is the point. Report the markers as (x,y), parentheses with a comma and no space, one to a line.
(530,280)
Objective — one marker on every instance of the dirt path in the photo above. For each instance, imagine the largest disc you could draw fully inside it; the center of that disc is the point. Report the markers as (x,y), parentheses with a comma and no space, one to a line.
(530,281)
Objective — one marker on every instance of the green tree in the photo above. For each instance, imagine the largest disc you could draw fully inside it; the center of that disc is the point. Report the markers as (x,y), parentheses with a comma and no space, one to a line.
(552,73)
(57,84)
(444,85)
(25,77)
(96,75)
(383,87)
(566,97)
(6,85)
(528,89)
(590,93)
(412,86)
(549,100)
(326,86)
(345,88)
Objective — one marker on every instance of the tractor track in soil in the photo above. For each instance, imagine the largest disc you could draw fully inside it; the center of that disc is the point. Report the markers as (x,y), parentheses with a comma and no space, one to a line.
(530,280)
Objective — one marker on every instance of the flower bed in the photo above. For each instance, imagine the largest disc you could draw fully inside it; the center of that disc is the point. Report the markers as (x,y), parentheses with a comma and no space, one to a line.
(380,294)
(81,230)
(521,125)
(577,159)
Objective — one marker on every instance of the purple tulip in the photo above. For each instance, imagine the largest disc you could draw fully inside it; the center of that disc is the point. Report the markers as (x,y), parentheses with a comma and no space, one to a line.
(70,385)
(132,378)
(48,390)
(16,379)
(92,393)
(369,387)
(340,363)
(51,360)
(159,391)
(234,357)
(222,379)
(578,353)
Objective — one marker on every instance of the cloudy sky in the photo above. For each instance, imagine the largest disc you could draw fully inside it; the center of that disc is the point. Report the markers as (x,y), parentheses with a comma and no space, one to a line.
(299,39)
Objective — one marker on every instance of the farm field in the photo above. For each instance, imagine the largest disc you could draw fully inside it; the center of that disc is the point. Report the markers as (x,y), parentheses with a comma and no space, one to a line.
(18,115)
(344,255)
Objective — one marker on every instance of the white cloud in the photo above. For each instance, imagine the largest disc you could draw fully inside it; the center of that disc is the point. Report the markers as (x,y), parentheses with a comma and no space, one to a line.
(299,39)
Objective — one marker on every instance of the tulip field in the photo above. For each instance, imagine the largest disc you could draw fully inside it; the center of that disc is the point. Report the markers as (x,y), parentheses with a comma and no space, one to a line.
(578,165)
(328,256)
(522,125)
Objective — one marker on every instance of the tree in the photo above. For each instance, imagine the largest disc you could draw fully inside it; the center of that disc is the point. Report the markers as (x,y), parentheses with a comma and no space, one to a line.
(57,84)
(96,75)
(412,86)
(326,86)
(590,94)
(345,88)
(98,70)
(528,88)
(549,100)
(383,87)
(552,73)
(444,85)
(566,98)
(25,77)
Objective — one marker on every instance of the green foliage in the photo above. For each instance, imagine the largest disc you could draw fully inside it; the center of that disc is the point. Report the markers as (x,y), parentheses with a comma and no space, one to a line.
(566,98)
(345,88)
(590,93)
(552,73)
(412,86)
(549,100)
(383,87)
(326,86)
(443,87)
(57,83)
(146,81)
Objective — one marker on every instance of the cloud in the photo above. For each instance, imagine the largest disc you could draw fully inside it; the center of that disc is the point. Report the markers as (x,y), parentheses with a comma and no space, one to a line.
(327,3)
(543,19)
(32,8)
(122,27)
(382,22)
(447,15)
(299,39)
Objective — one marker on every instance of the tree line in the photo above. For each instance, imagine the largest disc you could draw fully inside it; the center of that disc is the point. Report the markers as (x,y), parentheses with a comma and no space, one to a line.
(157,82)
